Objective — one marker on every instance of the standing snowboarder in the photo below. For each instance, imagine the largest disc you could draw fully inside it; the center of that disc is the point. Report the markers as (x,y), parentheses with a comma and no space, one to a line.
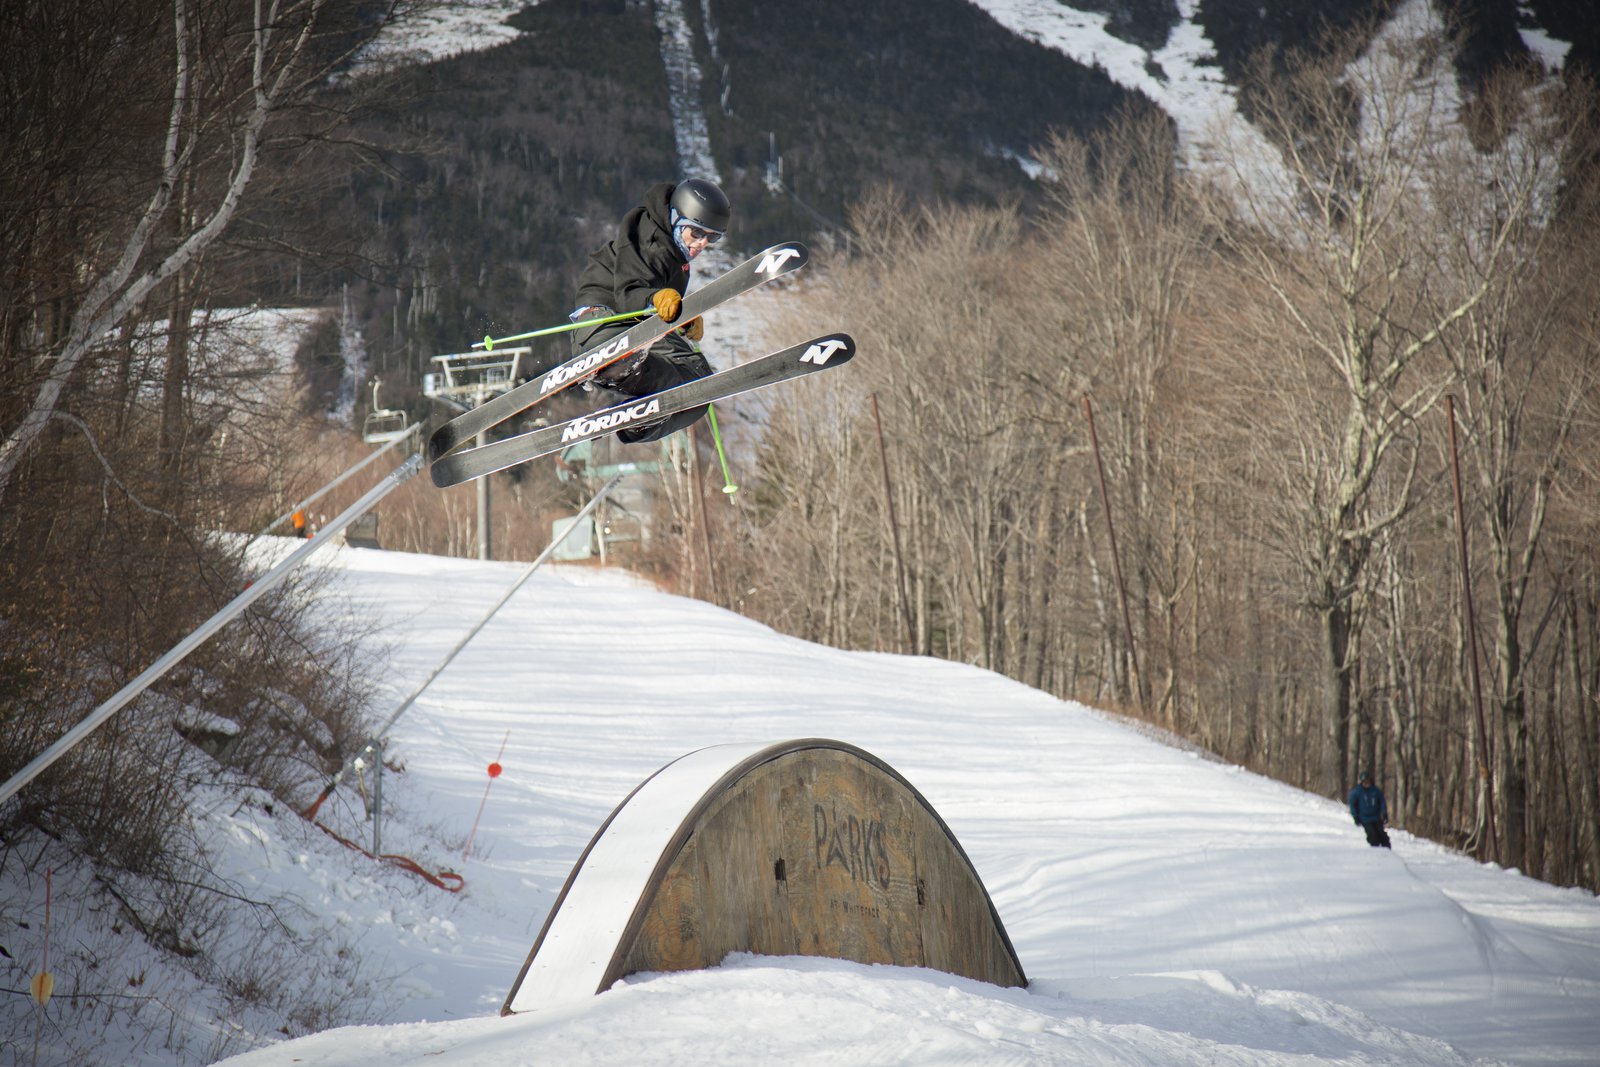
(1370,811)
(646,266)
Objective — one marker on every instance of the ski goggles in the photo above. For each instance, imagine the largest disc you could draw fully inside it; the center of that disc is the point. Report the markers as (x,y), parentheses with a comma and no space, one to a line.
(691,232)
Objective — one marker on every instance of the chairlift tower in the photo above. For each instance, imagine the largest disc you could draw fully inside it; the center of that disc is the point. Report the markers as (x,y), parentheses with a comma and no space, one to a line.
(465,380)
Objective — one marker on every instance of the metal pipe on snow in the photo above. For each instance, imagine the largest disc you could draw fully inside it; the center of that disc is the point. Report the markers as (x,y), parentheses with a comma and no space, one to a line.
(255,591)
(372,746)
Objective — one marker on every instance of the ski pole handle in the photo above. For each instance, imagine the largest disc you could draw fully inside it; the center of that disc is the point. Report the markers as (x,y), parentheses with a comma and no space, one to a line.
(488,343)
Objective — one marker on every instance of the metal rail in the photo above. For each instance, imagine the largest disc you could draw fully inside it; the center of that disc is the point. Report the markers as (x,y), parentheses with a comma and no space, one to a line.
(257,589)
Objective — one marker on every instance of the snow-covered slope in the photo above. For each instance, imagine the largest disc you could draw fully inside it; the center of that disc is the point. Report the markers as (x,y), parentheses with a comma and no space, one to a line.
(430,31)
(1167,909)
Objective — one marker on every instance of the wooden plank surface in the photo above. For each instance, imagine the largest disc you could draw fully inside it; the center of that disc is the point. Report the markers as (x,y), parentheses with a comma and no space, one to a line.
(819,852)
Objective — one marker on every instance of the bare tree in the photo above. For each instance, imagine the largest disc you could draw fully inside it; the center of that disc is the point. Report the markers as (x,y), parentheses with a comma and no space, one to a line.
(1126,240)
(1351,252)
(1527,360)
(222,91)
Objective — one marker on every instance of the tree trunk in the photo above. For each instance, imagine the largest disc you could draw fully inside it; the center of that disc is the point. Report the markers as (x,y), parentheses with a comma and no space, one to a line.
(1514,775)
(175,377)
(1337,631)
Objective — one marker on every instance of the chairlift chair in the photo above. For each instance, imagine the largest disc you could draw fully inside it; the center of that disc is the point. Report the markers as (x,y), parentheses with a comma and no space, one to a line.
(383,425)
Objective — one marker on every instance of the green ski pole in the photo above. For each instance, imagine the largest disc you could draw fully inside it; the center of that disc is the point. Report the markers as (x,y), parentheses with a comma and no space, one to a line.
(716,436)
(488,343)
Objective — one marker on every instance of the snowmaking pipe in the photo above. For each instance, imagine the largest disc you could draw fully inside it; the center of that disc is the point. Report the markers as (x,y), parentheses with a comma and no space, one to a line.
(549,550)
(488,343)
(255,591)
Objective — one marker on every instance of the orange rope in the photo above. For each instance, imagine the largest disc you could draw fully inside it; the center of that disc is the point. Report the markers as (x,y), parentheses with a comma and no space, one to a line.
(403,862)
(443,879)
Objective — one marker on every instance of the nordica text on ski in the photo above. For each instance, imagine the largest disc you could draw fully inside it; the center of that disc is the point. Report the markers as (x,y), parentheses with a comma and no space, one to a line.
(571,371)
(578,429)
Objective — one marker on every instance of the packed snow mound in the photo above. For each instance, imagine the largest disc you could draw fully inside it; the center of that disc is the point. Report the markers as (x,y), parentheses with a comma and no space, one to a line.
(810,1011)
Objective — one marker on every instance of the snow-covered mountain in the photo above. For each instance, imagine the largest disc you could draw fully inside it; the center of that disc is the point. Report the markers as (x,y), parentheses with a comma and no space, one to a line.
(1181,74)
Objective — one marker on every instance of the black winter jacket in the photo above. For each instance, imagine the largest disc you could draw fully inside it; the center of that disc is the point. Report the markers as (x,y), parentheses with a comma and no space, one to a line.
(642,258)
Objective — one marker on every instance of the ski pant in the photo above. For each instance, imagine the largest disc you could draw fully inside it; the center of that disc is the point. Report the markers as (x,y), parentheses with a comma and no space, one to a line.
(1377,836)
(671,361)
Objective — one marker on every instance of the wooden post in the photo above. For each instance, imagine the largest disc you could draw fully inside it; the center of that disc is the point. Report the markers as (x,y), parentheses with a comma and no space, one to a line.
(1116,561)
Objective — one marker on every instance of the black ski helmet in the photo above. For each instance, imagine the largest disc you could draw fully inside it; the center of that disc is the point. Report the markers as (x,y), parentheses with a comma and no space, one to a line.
(702,203)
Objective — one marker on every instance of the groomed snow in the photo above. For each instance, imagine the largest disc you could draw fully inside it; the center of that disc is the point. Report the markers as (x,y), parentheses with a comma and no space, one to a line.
(1167,908)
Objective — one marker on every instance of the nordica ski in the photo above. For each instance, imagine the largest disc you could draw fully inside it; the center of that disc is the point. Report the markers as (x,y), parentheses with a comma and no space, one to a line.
(808,357)
(775,262)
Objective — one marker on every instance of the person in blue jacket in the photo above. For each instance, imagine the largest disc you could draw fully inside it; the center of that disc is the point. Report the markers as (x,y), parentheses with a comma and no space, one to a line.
(1370,811)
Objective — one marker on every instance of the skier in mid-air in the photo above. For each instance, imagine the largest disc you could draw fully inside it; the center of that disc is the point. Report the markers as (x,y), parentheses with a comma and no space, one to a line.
(645,265)
(663,381)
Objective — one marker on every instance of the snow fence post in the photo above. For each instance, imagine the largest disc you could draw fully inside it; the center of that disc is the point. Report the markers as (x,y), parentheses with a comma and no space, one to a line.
(377,799)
